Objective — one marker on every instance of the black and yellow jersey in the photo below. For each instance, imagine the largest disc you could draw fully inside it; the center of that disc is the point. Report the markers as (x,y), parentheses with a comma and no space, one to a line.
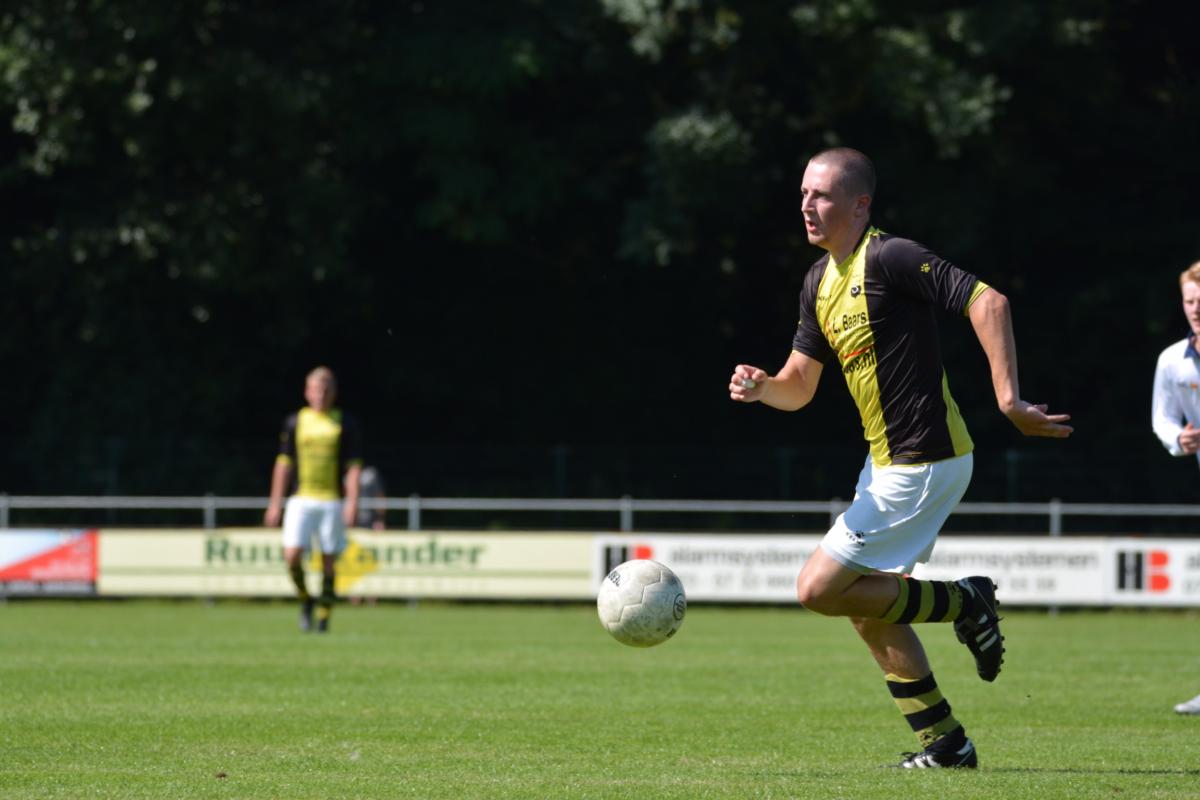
(321,446)
(876,312)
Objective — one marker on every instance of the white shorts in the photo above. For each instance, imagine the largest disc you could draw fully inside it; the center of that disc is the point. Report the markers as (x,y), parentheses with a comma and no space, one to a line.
(897,512)
(304,517)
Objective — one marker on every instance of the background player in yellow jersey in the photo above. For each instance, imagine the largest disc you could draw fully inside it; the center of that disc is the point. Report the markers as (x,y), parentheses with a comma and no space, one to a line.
(868,306)
(320,450)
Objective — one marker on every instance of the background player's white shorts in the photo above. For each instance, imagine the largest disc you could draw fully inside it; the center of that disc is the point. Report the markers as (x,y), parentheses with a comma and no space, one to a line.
(304,517)
(897,512)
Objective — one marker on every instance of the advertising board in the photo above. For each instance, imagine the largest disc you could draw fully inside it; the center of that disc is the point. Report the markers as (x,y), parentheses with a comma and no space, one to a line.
(718,568)
(249,562)
(47,562)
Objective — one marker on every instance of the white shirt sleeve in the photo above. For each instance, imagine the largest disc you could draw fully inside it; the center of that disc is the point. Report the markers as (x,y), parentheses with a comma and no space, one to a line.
(1166,413)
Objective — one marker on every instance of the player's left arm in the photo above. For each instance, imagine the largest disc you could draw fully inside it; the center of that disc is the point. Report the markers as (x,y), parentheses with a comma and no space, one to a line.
(350,489)
(351,451)
(990,316)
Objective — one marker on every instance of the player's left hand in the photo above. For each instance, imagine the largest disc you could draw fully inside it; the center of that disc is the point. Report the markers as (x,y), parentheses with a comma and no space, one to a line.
(1032,420)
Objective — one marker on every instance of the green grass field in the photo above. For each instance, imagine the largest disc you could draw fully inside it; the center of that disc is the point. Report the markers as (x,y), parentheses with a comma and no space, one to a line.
(190,700)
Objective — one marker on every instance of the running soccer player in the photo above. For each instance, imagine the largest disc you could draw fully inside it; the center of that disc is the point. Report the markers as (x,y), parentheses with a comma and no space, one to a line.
(320,448)
(868,306)
(1175,410)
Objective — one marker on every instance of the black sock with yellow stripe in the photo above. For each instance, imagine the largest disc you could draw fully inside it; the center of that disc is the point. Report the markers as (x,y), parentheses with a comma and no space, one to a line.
(928,713)
(925,601)
(297,573)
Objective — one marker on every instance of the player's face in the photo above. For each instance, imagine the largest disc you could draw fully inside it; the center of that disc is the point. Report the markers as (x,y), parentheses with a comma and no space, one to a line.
(831,215)
(1191,304)
(319,392)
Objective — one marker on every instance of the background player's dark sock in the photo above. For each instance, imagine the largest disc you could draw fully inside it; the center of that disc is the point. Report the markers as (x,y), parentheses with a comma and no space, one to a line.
(325,604)
(297,574)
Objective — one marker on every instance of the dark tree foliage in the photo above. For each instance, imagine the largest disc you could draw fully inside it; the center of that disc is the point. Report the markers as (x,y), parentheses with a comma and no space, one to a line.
(533,237)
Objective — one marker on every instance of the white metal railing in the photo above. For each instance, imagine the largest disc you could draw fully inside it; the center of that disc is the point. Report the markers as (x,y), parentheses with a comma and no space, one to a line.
(624,507)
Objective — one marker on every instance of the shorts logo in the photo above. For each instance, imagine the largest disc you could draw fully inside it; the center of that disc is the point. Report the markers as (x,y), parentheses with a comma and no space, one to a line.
(855,291)
(925,267)
(857,538)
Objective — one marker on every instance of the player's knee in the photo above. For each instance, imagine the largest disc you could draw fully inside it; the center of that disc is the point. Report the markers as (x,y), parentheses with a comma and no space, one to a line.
(814,597)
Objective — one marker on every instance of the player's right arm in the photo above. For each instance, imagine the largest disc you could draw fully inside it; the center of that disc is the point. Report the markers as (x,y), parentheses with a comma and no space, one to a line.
(795,384)
(281,475)
(1166,414)
(790,389)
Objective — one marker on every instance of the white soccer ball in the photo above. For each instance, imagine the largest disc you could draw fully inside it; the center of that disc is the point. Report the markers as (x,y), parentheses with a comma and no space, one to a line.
(641,603)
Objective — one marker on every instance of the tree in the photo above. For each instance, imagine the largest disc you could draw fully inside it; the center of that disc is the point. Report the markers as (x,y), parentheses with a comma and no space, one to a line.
(555,222)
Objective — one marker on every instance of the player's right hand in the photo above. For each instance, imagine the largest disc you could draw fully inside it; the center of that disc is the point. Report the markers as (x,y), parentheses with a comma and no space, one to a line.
(747,384)
(273,517)
(1189,439)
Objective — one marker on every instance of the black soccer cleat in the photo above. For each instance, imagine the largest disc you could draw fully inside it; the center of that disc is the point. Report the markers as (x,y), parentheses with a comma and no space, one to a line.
(323,625)
(306,616)
(978,627)
(962,758)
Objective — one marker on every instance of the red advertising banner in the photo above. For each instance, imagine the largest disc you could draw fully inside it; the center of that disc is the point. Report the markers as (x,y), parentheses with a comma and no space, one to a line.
(47,562)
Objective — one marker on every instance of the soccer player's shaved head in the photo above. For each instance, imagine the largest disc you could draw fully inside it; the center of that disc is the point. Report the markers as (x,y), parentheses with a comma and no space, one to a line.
(856,172)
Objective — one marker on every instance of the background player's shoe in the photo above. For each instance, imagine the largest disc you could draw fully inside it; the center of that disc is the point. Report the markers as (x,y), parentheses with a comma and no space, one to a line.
(1190,707)
(323,625)
(979,626)
(306,614)
(962,758)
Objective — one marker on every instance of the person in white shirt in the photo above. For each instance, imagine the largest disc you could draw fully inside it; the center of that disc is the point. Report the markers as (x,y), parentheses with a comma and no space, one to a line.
(1175,413)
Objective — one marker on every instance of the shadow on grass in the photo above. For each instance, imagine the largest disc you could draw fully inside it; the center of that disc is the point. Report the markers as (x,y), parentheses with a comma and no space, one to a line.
(1086,771)
(1183,773)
